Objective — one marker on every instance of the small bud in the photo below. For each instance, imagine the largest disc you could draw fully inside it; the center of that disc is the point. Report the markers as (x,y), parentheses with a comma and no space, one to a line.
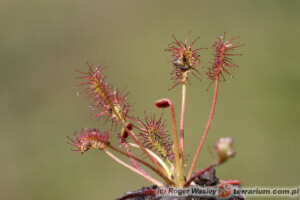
(124,133)
(224,149)
(163,103)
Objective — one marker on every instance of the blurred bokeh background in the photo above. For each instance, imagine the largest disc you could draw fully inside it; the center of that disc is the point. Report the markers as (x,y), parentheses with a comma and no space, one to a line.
(42,42)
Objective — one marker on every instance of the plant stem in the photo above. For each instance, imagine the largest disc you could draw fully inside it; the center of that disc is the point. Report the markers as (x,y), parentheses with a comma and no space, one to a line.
(231,182)
(133,161)
(161,162)
(148,177)
(178,169)
(198,173)
(141,161)
(182,117)
(207,127)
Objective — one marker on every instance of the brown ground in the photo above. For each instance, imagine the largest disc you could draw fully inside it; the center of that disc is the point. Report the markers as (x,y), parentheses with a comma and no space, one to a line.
(208,179)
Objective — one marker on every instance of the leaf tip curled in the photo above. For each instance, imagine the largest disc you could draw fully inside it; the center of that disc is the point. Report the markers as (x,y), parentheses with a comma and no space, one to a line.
(162,103)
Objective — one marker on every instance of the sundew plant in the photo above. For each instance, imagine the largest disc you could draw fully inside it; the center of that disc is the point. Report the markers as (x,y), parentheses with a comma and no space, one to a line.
(165,152)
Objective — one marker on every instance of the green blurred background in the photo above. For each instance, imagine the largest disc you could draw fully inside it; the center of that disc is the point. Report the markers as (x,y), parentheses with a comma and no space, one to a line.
(42,42)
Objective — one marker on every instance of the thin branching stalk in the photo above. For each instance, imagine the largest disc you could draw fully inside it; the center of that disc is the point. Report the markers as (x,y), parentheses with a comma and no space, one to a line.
(161,162)
(132,160)
(148,177)
(176,149)
(141,161)
(183,102)
(231,182)
(206,129)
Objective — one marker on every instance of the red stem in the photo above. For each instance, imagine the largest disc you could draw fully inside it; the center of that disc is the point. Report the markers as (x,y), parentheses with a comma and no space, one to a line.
(179,179)
(132,160)
(182,119)
(141,161)
(231,182)
(175,140)
(149,178)
(206,129)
